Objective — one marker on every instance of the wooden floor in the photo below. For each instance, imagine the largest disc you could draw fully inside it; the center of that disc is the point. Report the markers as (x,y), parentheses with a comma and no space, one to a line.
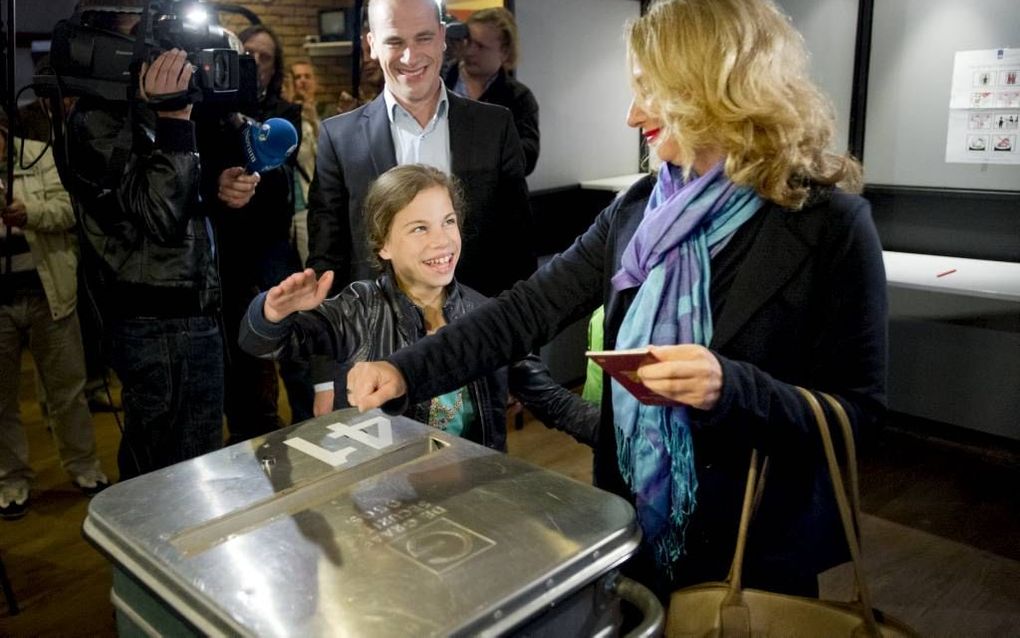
(942,534)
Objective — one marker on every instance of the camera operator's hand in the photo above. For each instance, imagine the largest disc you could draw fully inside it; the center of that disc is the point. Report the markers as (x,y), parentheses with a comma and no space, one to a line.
(170,73)
(236,187)
(15,215)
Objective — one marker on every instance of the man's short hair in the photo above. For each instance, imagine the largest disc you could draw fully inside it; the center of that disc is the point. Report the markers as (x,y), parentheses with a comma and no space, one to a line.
(435,5)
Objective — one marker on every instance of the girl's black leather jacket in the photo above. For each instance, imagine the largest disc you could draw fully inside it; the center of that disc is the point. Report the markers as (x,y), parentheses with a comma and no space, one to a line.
(370,319)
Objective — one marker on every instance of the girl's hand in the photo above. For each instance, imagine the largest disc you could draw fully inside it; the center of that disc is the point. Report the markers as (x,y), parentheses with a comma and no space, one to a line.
(300,291)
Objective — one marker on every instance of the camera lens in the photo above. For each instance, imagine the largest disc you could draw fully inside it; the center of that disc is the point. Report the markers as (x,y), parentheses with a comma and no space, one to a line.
(221,72)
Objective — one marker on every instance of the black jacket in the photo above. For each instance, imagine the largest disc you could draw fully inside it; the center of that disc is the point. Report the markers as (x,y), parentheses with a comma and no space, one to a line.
(507,92)
(245,234)
(806,306)
(485,153)
(147,239)
(370,320)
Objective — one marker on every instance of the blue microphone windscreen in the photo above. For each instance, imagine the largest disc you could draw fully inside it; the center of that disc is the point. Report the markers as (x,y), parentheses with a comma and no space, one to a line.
(268,145)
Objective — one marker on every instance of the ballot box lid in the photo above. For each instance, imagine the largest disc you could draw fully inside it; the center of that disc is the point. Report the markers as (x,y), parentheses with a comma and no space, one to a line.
(359,525)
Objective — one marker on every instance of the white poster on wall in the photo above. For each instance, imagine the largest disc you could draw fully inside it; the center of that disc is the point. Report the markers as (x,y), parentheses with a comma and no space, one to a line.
(984,108)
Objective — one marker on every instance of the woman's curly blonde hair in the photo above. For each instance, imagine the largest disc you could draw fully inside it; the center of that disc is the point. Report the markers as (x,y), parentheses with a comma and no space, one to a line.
(733,74)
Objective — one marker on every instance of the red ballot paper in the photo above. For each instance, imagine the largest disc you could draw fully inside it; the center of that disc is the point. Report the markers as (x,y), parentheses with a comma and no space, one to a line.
(622,365)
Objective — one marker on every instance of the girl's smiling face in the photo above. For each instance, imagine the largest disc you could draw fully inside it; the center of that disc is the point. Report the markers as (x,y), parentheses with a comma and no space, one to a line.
(423,243)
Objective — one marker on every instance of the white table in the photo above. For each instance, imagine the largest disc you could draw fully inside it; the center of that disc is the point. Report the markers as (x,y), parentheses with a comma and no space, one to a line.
(970,277)
(614,184)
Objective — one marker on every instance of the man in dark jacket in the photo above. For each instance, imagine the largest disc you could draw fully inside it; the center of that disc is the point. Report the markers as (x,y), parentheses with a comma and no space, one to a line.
(149,260)
(416,120)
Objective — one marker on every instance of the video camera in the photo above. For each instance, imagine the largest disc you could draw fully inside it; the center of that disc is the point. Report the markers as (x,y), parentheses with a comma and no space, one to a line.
(89,57)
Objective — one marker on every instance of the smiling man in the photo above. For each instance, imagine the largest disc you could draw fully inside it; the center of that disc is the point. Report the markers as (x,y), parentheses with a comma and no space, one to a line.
(416,120)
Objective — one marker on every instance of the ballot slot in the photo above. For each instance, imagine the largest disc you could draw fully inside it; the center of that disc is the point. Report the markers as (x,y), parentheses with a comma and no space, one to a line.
(301,496)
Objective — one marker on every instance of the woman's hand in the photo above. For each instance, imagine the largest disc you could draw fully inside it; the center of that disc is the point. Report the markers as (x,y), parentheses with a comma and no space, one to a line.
(371,384)
(323,402)
(236,187)
(687,374)
(300,291)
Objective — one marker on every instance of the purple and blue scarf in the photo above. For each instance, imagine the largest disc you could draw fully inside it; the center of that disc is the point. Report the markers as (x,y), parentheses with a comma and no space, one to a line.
(685,223)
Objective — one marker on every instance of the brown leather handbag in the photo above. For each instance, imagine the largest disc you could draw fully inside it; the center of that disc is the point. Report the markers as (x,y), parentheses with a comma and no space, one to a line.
(729,610)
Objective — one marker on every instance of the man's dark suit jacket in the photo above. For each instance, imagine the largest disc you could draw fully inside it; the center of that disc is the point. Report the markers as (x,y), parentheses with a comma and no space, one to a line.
(356,147)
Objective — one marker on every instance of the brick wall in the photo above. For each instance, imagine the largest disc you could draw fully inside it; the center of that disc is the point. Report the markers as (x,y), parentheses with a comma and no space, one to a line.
(292,20)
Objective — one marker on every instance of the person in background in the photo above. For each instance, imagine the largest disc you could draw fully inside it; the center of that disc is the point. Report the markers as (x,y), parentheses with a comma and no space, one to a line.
(372,79)
(456,41)
(747,267)
(305,88)
(413,215)
(35,122)
(255,253)
(38,295)
(489,56)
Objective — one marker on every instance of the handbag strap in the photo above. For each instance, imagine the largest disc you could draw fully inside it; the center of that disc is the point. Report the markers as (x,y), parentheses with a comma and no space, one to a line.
(850,461)
(850,451)
(753,483)
(847,515)
(849,507)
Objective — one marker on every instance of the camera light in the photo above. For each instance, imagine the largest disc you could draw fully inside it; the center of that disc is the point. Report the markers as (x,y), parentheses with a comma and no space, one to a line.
(196,15)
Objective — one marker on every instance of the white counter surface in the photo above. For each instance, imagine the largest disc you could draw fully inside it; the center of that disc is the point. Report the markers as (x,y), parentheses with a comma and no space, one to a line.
(615,184)
(954,275)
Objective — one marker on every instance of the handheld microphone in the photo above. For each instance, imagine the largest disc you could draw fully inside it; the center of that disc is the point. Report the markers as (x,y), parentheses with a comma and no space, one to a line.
(269,144)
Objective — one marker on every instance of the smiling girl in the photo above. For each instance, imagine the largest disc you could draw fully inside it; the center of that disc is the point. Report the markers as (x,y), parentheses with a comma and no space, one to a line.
(414,221)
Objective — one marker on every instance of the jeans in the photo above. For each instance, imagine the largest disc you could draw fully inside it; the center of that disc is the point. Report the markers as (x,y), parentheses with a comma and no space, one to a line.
(56,348)
(171,371)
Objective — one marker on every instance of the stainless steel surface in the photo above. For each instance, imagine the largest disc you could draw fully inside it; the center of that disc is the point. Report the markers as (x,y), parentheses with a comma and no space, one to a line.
(359,525)
(653,617)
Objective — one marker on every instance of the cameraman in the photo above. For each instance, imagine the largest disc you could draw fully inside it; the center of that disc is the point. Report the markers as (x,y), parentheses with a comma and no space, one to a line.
(150,259)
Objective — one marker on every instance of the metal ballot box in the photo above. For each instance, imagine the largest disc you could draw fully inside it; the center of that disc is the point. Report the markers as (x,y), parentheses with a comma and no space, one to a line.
(361,525)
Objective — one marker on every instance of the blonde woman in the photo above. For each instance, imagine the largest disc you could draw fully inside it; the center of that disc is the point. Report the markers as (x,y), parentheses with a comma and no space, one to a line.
(747,266)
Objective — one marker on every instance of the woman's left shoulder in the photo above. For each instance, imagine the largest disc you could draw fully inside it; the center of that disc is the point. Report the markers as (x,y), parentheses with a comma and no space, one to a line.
(829,209)
(831,201)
